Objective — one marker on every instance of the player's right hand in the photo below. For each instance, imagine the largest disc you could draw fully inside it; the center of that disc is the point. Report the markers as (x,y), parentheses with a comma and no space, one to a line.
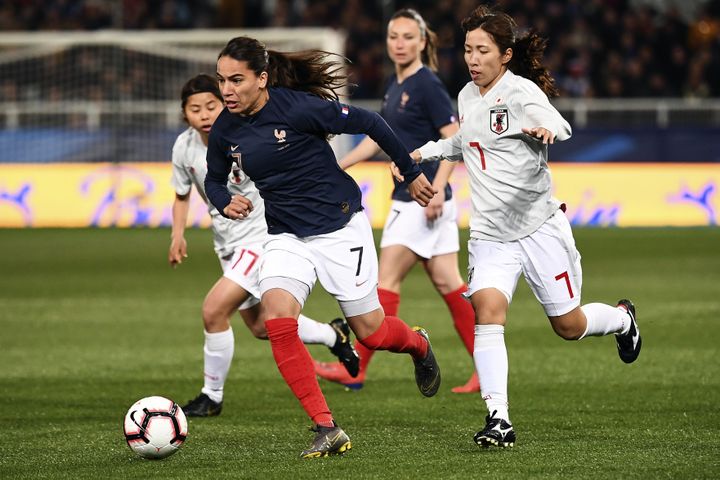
(178,251)
(238,208)
(421,190)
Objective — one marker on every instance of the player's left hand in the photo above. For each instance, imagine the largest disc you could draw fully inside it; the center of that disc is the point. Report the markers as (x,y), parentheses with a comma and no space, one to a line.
(540,133)
(421,190)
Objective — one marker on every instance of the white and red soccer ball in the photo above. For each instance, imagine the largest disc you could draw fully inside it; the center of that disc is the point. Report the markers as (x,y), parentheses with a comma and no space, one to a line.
(155,427)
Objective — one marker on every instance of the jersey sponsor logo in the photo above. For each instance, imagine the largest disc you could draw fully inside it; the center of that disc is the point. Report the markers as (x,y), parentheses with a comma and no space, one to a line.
(499,120)
(280,135)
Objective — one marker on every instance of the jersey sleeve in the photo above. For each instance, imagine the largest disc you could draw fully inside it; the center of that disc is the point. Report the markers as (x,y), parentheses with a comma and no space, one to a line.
(539,112)
(437,103)
(444,149)
(217,175)
(321,116)
(180,179)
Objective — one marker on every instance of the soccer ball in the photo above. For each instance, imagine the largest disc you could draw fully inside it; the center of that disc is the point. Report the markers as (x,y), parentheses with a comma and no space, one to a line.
(155,427)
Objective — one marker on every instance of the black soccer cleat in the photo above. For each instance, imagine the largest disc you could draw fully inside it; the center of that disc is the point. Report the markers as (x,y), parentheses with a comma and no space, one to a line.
(427,371)
(328,441)
(202,406)
(497,432)
(343,348)
(628,344)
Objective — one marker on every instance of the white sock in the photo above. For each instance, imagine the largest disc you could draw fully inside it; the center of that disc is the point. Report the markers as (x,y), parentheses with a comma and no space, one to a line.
(603,319)
(219,349)
(491,363)
(313,332)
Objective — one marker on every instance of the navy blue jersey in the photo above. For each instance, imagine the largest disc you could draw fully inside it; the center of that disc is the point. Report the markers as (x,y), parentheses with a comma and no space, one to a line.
(416,109)
(284,150)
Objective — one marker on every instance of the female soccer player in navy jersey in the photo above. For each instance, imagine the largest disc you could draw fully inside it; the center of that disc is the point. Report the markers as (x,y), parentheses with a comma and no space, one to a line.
(280,108)
(239,248)
(418,109)
(506,124)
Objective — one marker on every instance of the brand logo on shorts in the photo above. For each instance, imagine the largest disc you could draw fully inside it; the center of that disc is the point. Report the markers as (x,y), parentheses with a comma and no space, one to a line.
(499,120)
(345,207)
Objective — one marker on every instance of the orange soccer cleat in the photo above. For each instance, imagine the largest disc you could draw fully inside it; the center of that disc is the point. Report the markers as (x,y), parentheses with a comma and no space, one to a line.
(472,385)
(336,372)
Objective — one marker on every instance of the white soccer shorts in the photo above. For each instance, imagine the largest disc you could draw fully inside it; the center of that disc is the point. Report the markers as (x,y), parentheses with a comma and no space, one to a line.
(243,268)
(345,261)
(407,225)
(547,258)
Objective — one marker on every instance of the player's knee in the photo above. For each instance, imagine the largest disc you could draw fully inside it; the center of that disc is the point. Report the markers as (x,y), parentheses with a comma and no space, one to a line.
(259,331)
(212,316)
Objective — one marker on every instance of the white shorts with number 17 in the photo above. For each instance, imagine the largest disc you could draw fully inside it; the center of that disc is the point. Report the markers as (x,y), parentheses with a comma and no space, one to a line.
(243,268)
(547,258)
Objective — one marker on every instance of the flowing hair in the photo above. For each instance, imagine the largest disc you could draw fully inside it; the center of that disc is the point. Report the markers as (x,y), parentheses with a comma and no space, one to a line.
(429,53)
(314,71)
(527,50)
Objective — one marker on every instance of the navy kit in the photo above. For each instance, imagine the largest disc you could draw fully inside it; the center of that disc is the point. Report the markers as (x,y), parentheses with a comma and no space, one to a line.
(284,150)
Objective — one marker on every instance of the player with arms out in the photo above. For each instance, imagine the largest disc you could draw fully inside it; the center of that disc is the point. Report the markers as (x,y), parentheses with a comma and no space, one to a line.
(239,248)
(517,227)
(418,109)
(280,108)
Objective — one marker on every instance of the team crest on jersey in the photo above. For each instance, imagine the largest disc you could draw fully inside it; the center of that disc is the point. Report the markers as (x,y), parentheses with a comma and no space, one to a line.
(280,135)
(404,98)
(499,120)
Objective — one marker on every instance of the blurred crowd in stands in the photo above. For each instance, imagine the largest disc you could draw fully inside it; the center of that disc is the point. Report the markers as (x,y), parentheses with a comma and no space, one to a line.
(597,48)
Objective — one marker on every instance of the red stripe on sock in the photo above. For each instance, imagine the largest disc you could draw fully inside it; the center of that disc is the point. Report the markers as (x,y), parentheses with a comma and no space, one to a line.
(296,367)
(463,316)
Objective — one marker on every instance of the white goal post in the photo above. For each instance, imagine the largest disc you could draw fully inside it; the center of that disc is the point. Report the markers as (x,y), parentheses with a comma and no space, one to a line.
(112,95)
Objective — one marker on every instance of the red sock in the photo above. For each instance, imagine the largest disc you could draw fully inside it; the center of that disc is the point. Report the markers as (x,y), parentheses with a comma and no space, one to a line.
(390,302)
(394,335)
(463,316)
(296,367)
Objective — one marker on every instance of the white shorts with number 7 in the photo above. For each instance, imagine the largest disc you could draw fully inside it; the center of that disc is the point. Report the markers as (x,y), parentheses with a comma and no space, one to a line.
(547,259)
(345,261)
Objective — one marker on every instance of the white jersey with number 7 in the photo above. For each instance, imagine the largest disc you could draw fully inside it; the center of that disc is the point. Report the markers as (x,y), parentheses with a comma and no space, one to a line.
(510,181)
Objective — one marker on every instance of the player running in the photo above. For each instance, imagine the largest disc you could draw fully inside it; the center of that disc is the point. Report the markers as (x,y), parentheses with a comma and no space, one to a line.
(239,249)
(418,108)
(517,227)
(279,110)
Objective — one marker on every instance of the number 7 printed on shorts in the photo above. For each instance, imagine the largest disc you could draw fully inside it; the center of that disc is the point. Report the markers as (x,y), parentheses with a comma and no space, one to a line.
(252,260)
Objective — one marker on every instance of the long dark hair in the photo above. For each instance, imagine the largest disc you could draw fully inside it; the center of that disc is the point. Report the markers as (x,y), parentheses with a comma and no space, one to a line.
(315,71)
(429,54)
(527,50)
(199,84)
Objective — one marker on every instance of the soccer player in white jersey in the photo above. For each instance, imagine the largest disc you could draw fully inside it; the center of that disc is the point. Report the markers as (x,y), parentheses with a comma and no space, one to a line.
(238,245)
(506,125)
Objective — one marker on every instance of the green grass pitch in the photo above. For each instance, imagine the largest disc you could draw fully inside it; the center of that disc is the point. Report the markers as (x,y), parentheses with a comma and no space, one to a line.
(92,320)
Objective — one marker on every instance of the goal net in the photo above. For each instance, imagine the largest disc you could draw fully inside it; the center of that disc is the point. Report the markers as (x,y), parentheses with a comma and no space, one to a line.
(111,96)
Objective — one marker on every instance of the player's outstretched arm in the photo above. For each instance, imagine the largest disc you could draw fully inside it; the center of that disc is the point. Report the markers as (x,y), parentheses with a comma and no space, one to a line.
(365,150)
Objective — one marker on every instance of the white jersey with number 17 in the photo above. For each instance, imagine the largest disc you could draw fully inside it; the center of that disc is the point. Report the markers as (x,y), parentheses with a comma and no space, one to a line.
(511,187)
(189,168)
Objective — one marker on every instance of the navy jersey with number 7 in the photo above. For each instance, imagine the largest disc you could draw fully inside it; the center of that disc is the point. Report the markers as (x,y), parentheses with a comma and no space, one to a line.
(284,150)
